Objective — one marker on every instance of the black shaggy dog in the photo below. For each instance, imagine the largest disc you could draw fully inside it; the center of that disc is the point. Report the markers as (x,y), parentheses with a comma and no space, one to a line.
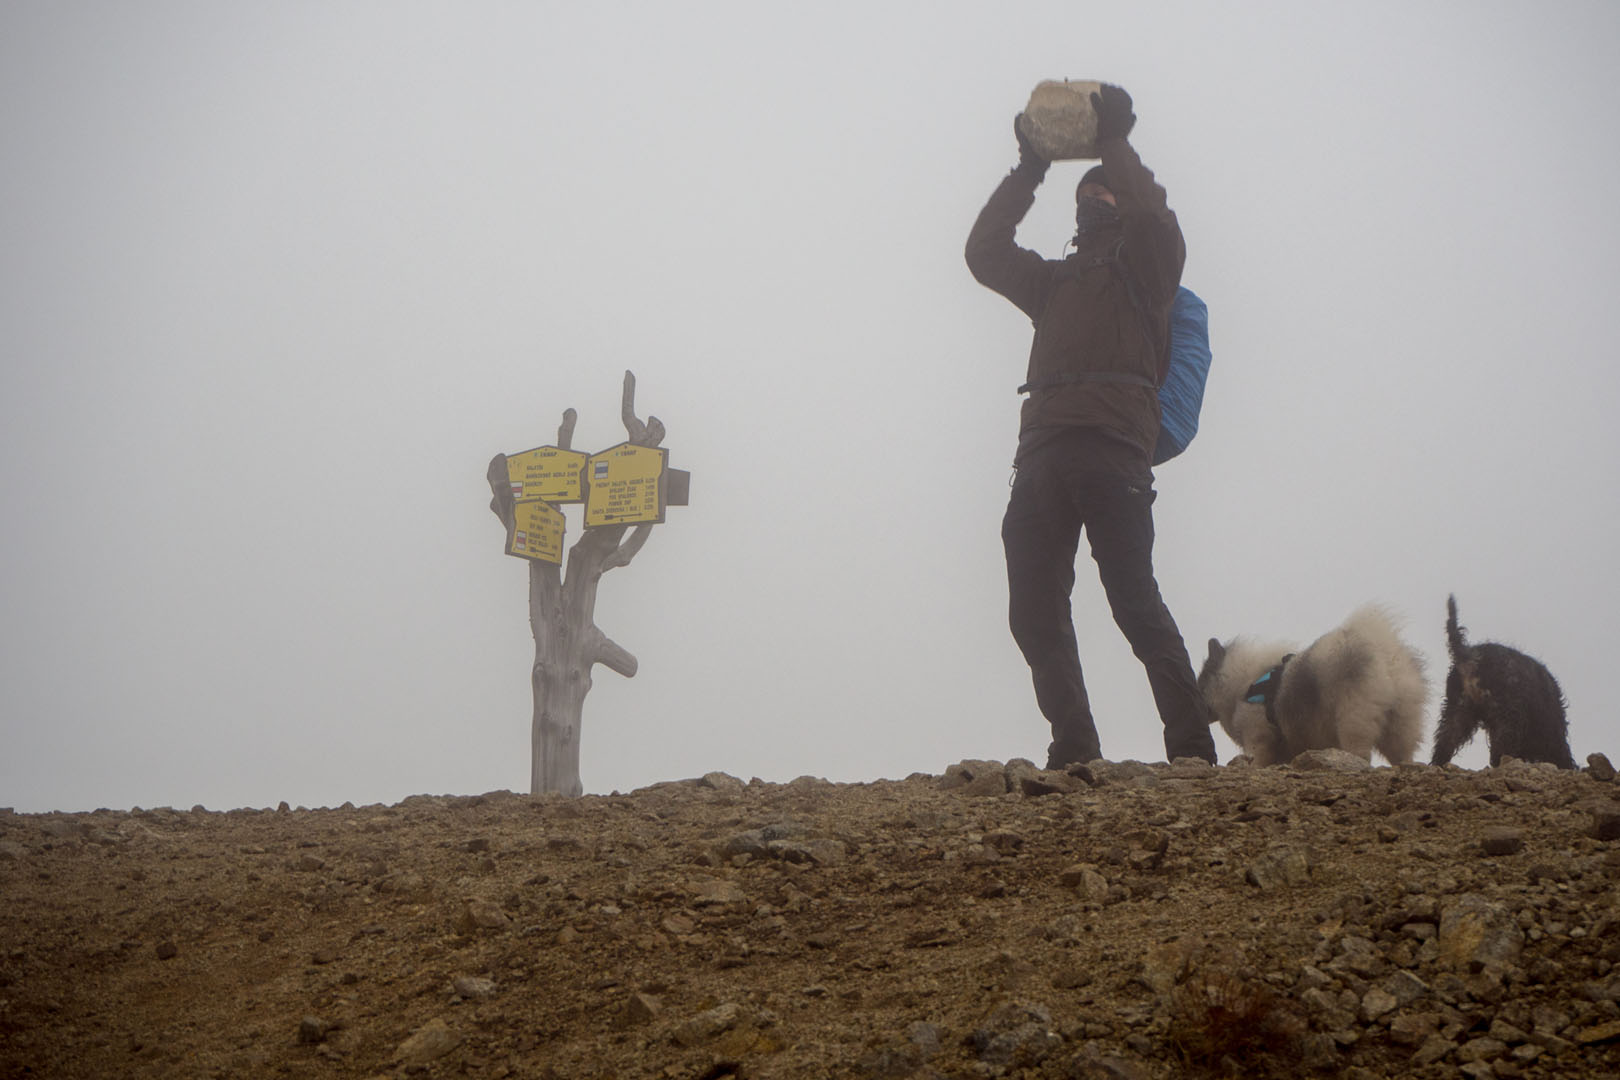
(1512,696)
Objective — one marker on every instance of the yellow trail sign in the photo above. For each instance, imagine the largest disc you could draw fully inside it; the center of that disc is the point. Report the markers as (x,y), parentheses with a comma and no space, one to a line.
(548,473)
(624,485)
(537,531)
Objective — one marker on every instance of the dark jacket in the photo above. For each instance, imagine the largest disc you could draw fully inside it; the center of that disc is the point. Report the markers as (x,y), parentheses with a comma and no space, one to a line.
(1082,306)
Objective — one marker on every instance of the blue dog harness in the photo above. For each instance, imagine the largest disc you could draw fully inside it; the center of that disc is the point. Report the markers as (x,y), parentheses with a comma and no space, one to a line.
(1263,691)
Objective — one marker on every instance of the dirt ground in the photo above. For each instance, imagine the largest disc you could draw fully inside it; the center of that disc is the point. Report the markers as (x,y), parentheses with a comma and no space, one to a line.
(1124,921)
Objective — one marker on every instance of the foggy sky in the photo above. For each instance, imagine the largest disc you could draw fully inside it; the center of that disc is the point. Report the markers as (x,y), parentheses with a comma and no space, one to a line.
(277,281)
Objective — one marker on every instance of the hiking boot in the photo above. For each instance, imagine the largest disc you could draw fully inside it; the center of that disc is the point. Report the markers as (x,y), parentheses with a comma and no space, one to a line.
(1205,752)
(1059,757)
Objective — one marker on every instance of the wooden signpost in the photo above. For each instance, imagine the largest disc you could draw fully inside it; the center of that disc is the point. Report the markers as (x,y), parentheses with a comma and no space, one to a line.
(628,484)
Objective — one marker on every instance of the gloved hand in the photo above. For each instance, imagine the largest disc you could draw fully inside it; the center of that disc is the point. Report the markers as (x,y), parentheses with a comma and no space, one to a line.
(1028,159)
(1114,116)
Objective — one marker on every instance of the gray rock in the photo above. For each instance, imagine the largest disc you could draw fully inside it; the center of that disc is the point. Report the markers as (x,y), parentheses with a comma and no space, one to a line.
(1483,1048)
(403,883)
(1607,1032)
(717,891)
(643,1008)
(1021,1033)
(472,986)
(889,1063)
(482,915)
(1006,971)
(1049,783)
(1600,768)
(1093,1063)
(822,852)
(1280,866)
(724,783)
(1166,964)
(1434,1048)
(1060,121)
(927,1038)
(1501,1029)
(1376,1003)
(1124,773)
(1413,1029)
(1405,988)
(1330,761)
(1018,770)
(1360,957)
(431,1042)
(1547,1019)
(1319,1052)
(1475,931)
(1502,841)
(1602,990)
(1312,978)
(1087,883)
(975,778)
(751,843)
(974,855)
(706,1025)
(311,1030)
(1323,1003)
(1606,822)
(64,829)
(1073,976)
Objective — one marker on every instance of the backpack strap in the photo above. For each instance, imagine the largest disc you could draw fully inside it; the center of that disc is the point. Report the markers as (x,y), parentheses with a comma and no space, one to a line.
(1133,292)
(1088,376)
(1133,289)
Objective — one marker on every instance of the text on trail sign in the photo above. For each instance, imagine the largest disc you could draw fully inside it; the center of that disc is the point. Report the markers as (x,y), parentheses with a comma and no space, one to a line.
(624,485)
(537,531)
(548,473)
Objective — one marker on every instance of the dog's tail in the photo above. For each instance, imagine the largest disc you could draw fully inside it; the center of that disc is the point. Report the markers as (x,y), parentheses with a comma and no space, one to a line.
(1454,633)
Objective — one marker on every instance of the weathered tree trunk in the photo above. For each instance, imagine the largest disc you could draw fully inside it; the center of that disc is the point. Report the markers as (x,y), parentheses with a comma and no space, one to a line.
(567,642)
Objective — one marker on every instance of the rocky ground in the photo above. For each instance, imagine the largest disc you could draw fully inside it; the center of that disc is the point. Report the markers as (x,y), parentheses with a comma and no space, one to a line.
(1120,921)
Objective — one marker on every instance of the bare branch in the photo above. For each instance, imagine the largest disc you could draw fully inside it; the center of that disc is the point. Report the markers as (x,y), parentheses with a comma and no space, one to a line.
(500,484)
(565,433)
(614,657)
(592,548)
(635,428)
(621,555)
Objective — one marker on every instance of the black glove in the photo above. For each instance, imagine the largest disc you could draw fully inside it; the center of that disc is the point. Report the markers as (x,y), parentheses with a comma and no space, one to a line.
(1028,159)
(1114,116)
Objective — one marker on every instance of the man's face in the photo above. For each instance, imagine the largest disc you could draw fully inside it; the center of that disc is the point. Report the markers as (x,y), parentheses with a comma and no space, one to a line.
(1097,191)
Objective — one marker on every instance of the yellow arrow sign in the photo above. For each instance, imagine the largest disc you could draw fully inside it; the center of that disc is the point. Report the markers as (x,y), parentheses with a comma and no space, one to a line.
(625,486)
(537,531)
(548,473)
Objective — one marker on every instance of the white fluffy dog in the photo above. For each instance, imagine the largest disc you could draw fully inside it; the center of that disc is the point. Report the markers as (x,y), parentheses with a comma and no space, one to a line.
(1358,688)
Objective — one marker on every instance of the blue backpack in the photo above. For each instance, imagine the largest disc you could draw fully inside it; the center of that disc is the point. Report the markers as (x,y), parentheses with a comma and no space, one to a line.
(1182,394)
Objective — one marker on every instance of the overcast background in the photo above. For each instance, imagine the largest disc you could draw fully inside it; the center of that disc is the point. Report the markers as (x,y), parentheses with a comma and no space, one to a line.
(277,280)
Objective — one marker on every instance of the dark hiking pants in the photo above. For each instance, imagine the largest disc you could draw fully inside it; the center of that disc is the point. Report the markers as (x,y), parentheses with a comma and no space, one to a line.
(1053,500)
